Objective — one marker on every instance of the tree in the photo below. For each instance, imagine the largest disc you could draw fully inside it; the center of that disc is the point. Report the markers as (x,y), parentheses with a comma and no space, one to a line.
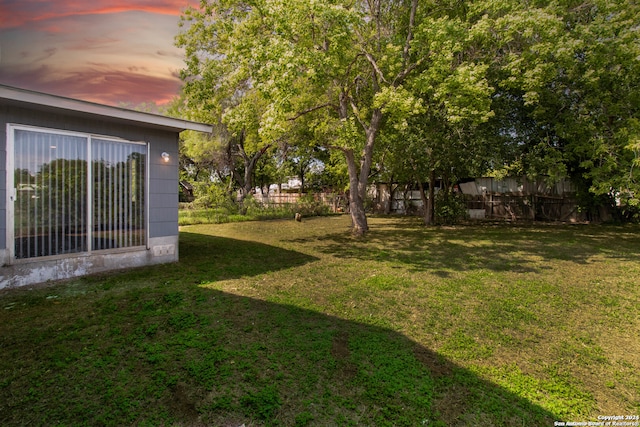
(568,73)
(343,62)
(561,78)
(393,165)
(232,150)
(598,88)
(303,152)
(216,92)
(458,99)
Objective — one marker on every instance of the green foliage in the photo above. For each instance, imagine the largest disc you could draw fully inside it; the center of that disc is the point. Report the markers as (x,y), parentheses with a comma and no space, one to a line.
(341,66)
(251,206)
(567,78)
(450,207)
(398,104)
(308,205)
(545,88)
(214,195)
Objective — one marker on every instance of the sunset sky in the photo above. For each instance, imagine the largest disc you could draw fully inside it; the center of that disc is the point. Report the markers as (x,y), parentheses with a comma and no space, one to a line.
(106,51)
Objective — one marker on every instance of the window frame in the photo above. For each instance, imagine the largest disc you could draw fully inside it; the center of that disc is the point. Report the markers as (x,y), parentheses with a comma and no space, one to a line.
(11,192)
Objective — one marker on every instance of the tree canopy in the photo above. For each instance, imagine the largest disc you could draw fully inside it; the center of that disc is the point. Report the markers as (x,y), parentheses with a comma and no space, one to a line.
(545,87)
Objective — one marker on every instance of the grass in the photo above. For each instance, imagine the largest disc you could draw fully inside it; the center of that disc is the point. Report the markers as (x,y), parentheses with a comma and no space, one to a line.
(209,216)
(222,216)
(306,206)
(300,324)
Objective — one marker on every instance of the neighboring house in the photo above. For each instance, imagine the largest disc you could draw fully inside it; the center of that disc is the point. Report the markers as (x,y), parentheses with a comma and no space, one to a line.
(84,187)
(519,198)
(511,198)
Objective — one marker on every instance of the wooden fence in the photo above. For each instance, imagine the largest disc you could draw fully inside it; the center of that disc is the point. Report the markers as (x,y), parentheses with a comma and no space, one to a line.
(335,202)
(489,198)
(533,207)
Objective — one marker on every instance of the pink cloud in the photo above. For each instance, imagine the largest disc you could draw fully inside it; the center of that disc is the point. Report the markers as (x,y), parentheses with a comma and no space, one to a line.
(37,56)
(88,50)
(28,11)
(92,43)
(54,29)
(99,83)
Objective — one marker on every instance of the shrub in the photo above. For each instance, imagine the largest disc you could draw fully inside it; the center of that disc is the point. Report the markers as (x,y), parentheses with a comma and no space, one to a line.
(252,209)
(308,206)
(449,207)
(214,195)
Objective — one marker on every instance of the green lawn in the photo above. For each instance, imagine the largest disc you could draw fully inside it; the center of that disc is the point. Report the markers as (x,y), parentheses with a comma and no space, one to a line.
(294,324)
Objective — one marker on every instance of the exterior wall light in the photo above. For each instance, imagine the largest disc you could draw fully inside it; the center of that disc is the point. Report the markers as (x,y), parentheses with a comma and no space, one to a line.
(166,157)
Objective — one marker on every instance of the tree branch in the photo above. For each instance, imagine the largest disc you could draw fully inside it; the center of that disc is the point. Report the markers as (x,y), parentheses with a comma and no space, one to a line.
(336,147)
(404,73)
(310,110)
(354,108)
(412,20)
(377,69)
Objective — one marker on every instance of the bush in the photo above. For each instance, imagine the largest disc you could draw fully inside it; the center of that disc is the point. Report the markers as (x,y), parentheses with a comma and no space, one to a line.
(250,206)
(205,211)
(308,206)
(214,195)
(449,207)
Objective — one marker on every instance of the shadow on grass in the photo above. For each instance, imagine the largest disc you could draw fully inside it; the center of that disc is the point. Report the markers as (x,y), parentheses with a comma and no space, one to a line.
(155,346)
(206,258)
(500,248)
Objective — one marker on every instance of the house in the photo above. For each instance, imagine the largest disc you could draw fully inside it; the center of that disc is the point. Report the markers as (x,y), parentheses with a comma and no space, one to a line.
(84,187)
(520,198)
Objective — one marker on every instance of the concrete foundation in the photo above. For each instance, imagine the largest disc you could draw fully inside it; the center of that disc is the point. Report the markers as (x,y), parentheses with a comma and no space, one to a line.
(40,270)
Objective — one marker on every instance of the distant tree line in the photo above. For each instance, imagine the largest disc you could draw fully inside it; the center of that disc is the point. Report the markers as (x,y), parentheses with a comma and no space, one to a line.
(411,91)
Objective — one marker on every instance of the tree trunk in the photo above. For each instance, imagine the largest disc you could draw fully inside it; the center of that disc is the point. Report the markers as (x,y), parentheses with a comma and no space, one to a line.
(389,205)
(359,177)
(356,203)
(430,211)
(428,201)
(249,167)
(301,174)
(425,202)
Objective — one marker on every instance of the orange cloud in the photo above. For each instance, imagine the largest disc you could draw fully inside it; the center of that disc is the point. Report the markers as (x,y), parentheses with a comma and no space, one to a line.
(98,83)
(88,50)
(29,11)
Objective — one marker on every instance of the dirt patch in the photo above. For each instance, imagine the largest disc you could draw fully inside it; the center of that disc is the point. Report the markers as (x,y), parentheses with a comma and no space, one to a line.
(182,407)
(340,352)
(452,404)
(340,346)
(436,364)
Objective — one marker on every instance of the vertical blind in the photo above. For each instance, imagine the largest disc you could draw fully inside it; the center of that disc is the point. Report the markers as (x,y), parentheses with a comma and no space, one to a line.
(62,206)
(118,199)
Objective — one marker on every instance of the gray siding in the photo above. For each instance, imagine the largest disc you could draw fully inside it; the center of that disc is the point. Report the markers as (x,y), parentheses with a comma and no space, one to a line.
(3,189)
(163,188)
(166,200)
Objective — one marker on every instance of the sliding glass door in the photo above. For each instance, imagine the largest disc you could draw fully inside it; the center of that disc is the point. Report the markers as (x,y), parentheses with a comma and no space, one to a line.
(75,193)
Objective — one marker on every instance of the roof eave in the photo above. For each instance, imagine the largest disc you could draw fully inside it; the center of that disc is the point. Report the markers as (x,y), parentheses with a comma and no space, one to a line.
(75,105)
